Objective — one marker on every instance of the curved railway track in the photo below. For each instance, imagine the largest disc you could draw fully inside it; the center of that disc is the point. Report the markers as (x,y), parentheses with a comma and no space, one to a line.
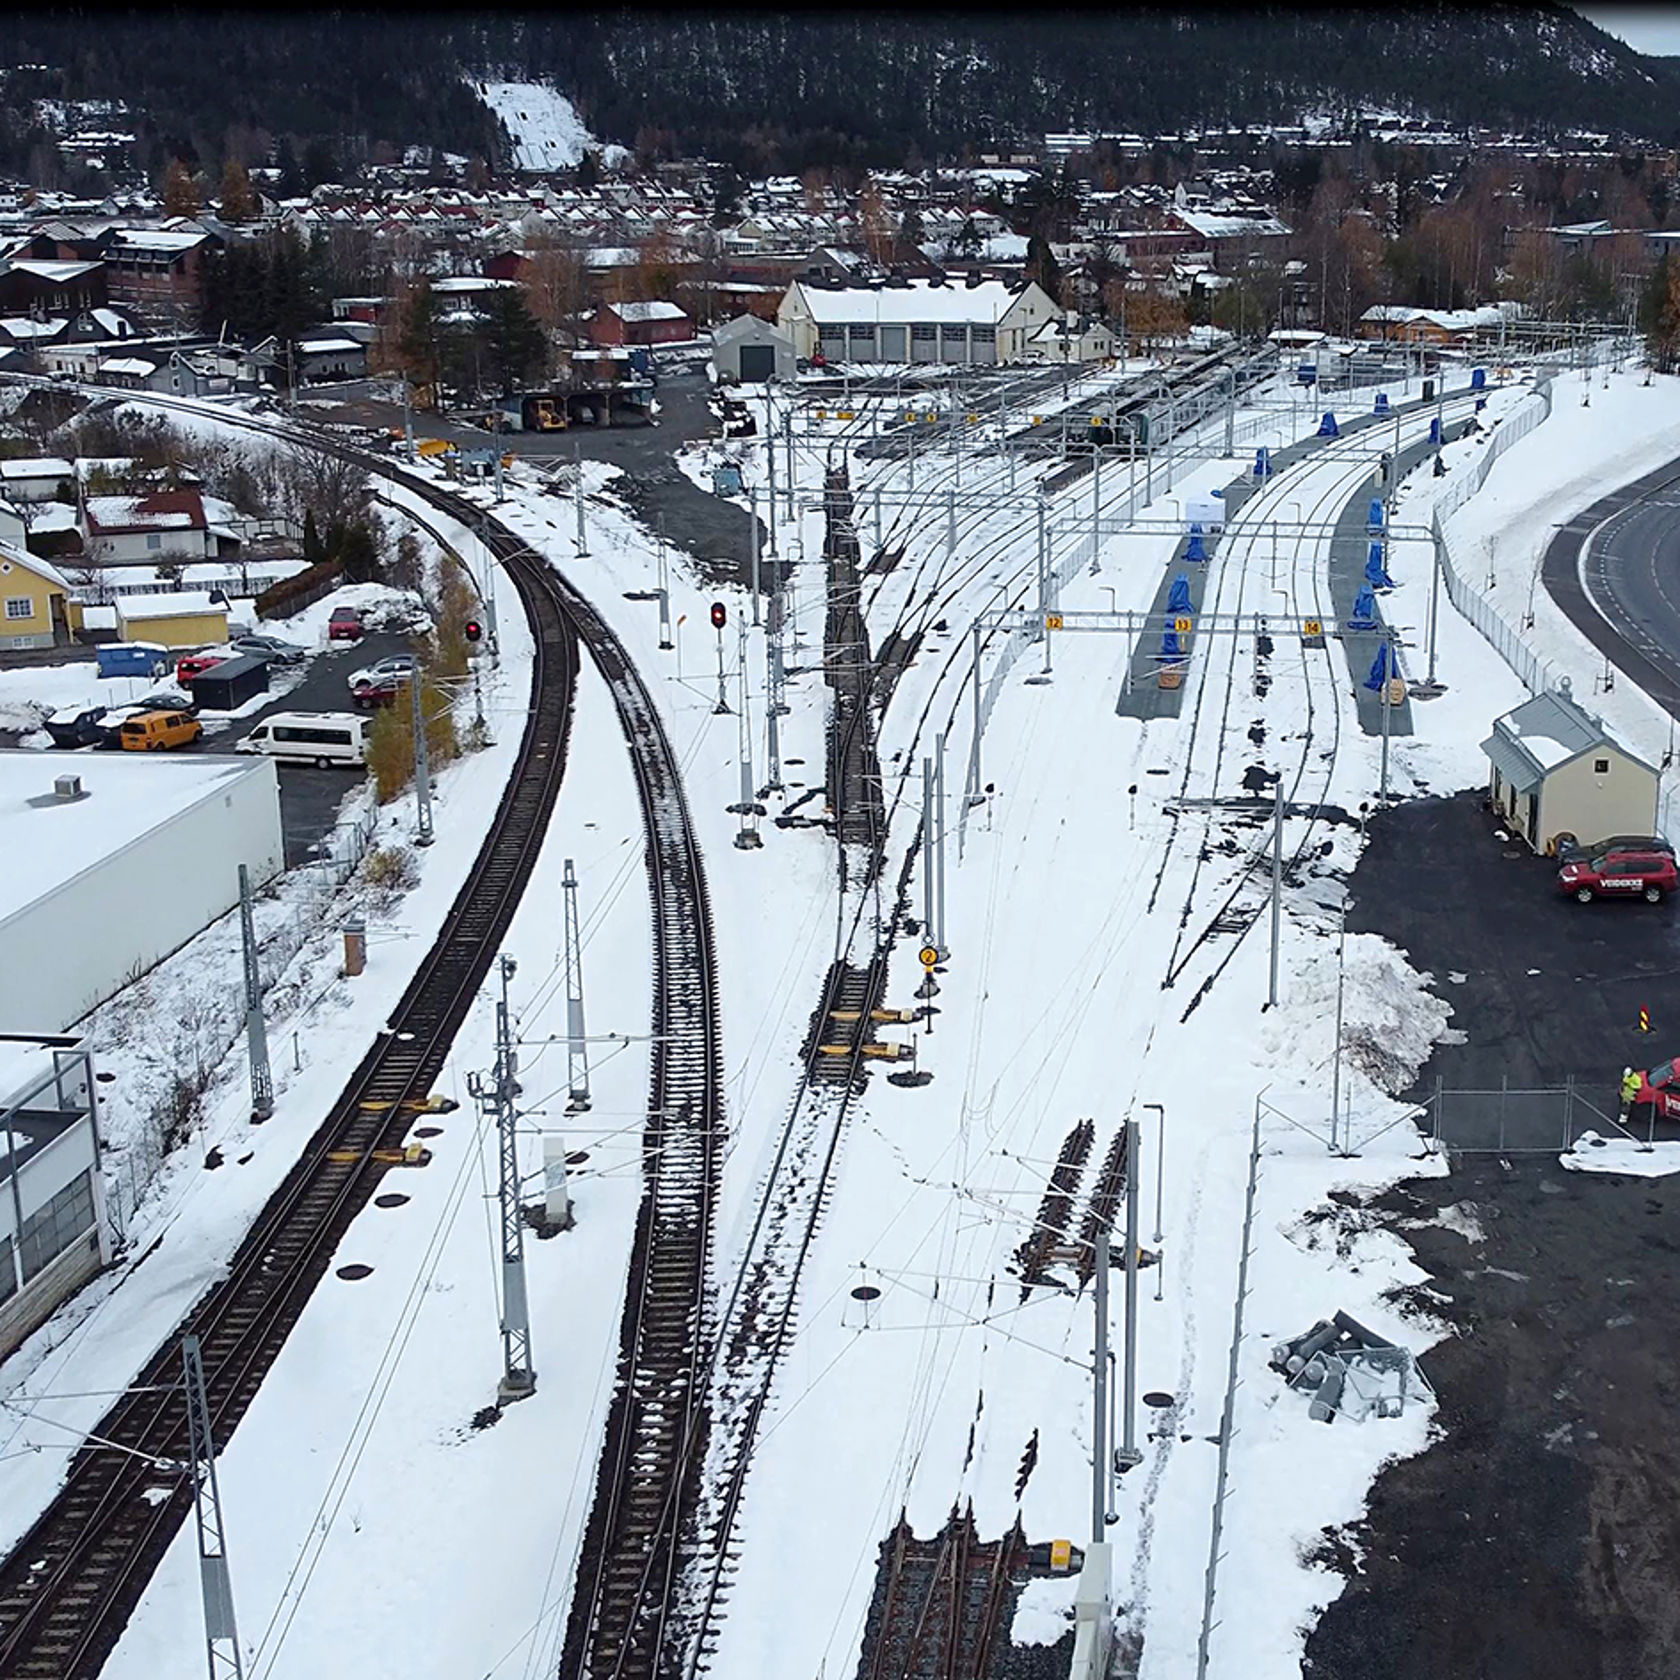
(69,1587)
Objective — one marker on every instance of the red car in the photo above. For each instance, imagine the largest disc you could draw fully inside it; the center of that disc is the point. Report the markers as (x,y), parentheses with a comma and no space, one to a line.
(345,625)
(1618,874)
(1661,1085)
(195,665)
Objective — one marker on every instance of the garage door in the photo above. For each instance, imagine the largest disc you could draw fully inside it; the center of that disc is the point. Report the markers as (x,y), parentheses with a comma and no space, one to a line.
(758,363)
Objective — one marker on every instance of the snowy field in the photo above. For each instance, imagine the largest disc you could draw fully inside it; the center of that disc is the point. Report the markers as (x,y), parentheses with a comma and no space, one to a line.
(356,1479)
(547,131)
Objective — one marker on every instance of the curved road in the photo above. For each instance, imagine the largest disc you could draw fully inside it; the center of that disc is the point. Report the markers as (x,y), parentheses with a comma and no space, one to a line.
(1614,569)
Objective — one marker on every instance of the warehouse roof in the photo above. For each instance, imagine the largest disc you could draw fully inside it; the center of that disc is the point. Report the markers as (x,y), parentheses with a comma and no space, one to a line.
(48,842)
(917,301)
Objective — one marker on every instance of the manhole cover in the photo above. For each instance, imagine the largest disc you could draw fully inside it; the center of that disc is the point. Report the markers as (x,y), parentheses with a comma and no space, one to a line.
(104,1076)
(355,1272)
(428,1131)
(1156,1398)
(866,1292)
(577,1157)
(391,1198)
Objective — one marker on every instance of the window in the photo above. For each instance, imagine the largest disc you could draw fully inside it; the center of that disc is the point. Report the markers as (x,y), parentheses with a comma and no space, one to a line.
(924,335)
(983,335)
(50,1230)
(19,606)
(861,334)
(154,541)
(1601,767)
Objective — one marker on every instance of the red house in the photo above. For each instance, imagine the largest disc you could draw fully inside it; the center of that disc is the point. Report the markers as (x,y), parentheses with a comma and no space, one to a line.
(641,323)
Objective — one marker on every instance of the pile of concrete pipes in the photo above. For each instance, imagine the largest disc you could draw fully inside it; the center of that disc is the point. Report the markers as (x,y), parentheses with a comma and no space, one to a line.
(1330,1358)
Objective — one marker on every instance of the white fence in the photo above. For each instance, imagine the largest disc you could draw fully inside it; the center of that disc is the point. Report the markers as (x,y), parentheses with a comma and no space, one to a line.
(1533,672)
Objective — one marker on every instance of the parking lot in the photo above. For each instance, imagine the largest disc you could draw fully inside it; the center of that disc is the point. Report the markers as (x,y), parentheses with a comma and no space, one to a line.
(1538,1537)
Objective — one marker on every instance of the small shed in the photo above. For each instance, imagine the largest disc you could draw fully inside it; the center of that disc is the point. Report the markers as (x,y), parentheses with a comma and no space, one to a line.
(227,686)
(177,618)
(1558,775)
(653,322)
(749,351)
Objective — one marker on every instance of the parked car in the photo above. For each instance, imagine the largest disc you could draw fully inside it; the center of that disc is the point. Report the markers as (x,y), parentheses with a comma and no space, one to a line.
(1648,875)
(107,730)
(398,668)
(271,648)
(74,726)
(159,731)
(195,664)
(382,692)
(1615,843)
(345,625)
(1661,1085)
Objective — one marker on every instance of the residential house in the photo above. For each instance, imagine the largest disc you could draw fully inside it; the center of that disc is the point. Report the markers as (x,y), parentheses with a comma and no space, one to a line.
(35,594)
(160,527)
(653,322)
(36,479)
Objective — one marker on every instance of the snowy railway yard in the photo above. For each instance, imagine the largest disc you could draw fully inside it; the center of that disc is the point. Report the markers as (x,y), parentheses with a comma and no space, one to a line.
(814,1390)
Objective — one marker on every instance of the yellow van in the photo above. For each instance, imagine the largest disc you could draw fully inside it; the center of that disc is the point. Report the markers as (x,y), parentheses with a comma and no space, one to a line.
(154,731)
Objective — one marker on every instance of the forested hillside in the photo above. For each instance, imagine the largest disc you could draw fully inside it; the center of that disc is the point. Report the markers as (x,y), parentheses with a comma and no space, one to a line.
(785,92)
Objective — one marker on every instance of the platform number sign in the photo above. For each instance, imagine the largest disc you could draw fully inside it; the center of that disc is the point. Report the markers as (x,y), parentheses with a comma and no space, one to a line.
(929,955)
(720,615)
(1052,621)
(1312,628)
(1183,626)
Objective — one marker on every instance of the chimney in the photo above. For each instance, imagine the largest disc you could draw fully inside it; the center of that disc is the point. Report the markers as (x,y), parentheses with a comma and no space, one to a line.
(67,787)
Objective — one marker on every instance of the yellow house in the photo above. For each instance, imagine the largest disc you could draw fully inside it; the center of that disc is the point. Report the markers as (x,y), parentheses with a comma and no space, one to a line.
(34,601)
(179,619)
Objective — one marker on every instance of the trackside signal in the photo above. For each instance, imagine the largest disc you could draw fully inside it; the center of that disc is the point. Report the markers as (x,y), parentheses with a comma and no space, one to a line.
(720,615)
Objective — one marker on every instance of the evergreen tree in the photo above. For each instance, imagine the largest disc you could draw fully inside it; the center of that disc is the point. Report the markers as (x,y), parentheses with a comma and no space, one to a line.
(514,343)
(314,550)
(1042,266)
(417,335)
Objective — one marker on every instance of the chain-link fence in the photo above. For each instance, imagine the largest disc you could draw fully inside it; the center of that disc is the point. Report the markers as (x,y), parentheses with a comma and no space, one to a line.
(1539,1120)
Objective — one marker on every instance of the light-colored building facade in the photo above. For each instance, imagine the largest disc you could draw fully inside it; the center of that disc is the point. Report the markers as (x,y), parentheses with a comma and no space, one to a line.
(1557,775)
(914,321)
(143,854)
(53,1231)
(748,350)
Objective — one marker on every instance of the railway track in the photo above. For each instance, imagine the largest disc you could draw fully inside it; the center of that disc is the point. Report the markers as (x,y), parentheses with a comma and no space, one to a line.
(70,1585)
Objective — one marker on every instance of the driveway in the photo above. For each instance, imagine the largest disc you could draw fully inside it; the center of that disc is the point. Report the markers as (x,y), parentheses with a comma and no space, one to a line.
(309,798)
(1538,1538)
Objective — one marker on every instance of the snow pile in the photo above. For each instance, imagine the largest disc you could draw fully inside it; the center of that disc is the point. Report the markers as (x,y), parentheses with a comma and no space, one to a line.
(1595,1154)
(1044,1611)
(547,131)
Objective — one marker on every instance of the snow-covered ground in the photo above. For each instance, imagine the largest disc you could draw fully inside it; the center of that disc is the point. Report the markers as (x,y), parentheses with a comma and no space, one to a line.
(547,131)
(372,1530)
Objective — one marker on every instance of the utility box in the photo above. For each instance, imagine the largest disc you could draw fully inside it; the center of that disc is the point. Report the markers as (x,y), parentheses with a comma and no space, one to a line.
(227,686)
(132,659)
(355,945)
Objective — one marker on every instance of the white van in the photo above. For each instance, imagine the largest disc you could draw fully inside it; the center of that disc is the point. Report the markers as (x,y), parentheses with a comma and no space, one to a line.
(323,738)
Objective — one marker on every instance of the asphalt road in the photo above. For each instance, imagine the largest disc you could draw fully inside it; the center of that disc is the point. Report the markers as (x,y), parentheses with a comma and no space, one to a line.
(1625,598)
(1540,1536)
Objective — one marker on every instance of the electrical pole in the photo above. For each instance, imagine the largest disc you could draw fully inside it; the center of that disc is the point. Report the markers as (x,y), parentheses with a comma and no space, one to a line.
(939,843)
(752,514)
(221,1636)
(1277,884)
(422,764)
(747,838)
(577,1043)
(770,458)
(1435,595)
(1128,1453)
(774,702)
(577,468)
(495,1096)
(256,1033)
(974,794)
(950,524)
(1099,1397)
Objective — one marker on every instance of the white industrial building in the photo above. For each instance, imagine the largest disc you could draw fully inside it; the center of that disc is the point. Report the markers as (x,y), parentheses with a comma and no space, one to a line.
(111,861)
(749,351)
(53,1231)
(900,320)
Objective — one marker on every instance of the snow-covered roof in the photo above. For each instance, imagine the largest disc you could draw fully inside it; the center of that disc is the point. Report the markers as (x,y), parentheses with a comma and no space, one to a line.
(129,794)
(35,469)
(45,270)
(48,573)
(919,302)
(158,510)
(328,346)
(23,327)
(653,311)
(134,366)
(469,283)
(1536,737)
(158,239)
(1214,224)
(177,603)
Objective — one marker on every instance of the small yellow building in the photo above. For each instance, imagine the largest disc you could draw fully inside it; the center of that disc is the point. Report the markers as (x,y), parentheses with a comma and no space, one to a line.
(34,601)
(1558,776)
(182,619)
